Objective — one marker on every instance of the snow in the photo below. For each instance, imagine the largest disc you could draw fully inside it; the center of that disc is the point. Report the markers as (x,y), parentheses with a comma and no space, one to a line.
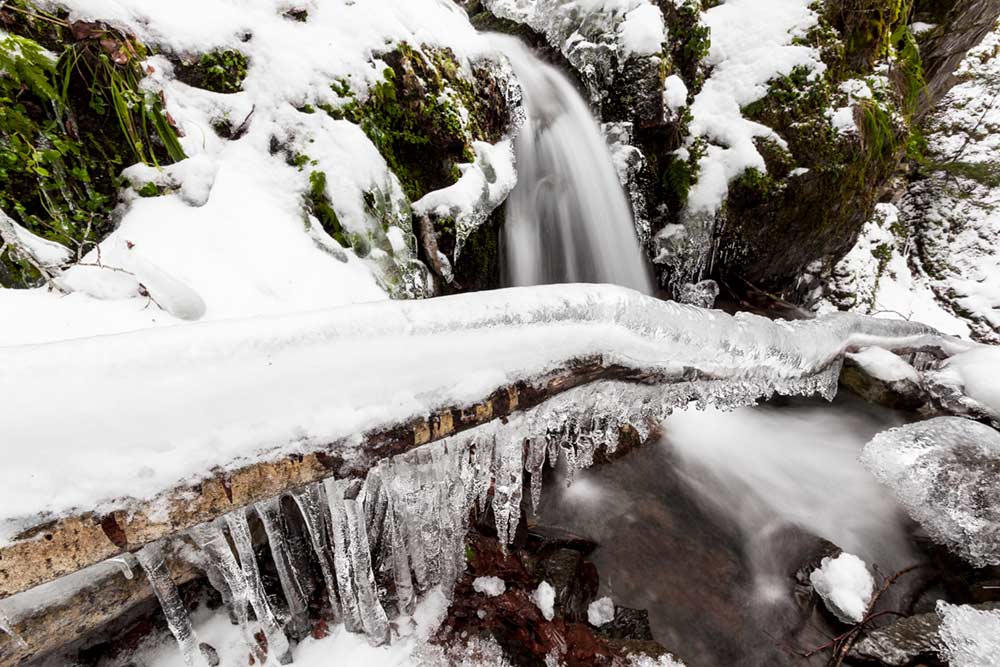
(642,32)
(944,472)
(978,373)
(43,251)
(601,611)
(751,43)
(674,92)
(128,416)
(544,598)
(483,186)
(846,586)
(229,238)
(491,586)
(340,646)
(971,637)
(883,365)
(863,282)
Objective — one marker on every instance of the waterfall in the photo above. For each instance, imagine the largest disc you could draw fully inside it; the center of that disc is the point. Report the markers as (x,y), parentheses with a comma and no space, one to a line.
(567,219)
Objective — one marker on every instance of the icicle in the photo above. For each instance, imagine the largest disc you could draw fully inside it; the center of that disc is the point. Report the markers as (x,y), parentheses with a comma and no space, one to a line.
(535,464)
(397,548)
(313,505)
(341,560)
(508,466)
(277,538)
(212,541)
(277,643)
(373,616)
(151,559)
(125,563)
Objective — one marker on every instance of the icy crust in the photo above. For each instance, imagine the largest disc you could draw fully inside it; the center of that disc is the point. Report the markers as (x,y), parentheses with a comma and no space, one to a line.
(132,415)
(944,471)
(969,637)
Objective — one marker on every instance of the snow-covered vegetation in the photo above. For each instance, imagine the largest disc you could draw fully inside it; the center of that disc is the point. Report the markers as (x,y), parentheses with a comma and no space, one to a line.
(309,309)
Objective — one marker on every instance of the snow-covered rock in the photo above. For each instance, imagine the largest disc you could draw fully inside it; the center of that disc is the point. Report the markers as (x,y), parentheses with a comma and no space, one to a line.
(845,585)
(944,471)
(970,637)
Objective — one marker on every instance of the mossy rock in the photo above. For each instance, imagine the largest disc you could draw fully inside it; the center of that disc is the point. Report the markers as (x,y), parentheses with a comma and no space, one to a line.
(220,71)
(68,127)
(416,115)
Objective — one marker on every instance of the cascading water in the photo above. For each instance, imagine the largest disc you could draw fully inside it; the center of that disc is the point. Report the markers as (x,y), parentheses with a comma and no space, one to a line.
(567,218)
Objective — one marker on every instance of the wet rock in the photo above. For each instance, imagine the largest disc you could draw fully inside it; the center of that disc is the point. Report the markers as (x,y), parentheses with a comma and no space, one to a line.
(906,640)
(628,624)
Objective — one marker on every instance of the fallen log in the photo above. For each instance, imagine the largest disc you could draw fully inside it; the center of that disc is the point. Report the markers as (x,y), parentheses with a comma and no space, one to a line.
(539,342)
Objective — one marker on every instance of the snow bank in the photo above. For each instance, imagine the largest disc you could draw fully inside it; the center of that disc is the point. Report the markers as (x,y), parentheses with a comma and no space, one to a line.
(751,43)
(846,586)
(95,423)
(544,598)
(977,372)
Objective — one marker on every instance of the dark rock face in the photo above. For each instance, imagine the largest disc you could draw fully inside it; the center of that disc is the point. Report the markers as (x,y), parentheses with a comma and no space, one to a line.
(961,25)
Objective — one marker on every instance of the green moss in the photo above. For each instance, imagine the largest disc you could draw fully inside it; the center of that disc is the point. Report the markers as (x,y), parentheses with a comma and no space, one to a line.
(321,207)
(150,189)
(68,127)
(414,116)
(690,39)
(220,71)
(985,173)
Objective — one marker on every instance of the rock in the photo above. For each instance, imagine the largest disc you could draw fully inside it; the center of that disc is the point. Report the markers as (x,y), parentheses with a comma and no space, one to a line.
(574,582)
(906,640)
(946,473)
(630,624)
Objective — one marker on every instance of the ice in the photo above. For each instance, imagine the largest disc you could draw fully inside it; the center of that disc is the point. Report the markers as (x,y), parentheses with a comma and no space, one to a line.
(544,598)
(845,585)
(268,380)
(152,561)
(702,294)
(225,573)
(944,471)
(239,530)
(970,637)
(508,470)
(600,612)
(491,586)
(271,516)
(312,503)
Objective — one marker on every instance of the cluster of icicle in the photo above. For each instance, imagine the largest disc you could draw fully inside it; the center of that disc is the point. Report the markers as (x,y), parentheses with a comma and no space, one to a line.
(405,523)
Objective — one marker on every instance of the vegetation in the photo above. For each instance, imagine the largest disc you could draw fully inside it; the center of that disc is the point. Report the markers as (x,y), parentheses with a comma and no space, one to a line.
(55,180)
(220,71)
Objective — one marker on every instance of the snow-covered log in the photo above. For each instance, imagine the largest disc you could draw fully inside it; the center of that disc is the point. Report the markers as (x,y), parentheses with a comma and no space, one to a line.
(141,435)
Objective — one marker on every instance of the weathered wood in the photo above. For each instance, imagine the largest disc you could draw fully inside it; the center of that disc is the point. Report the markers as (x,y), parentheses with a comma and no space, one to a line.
(79,610)
(69,544)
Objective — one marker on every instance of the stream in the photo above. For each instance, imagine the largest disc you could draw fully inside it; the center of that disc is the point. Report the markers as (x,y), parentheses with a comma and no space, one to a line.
(705,527)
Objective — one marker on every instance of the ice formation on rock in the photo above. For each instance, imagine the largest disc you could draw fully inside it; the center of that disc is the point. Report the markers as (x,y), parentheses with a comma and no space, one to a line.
(845,585)
(969,637)
(944,471)
(178,620)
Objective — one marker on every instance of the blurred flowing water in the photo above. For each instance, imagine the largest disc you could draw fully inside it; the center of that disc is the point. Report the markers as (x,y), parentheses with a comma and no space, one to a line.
(705,528)
(567,219)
